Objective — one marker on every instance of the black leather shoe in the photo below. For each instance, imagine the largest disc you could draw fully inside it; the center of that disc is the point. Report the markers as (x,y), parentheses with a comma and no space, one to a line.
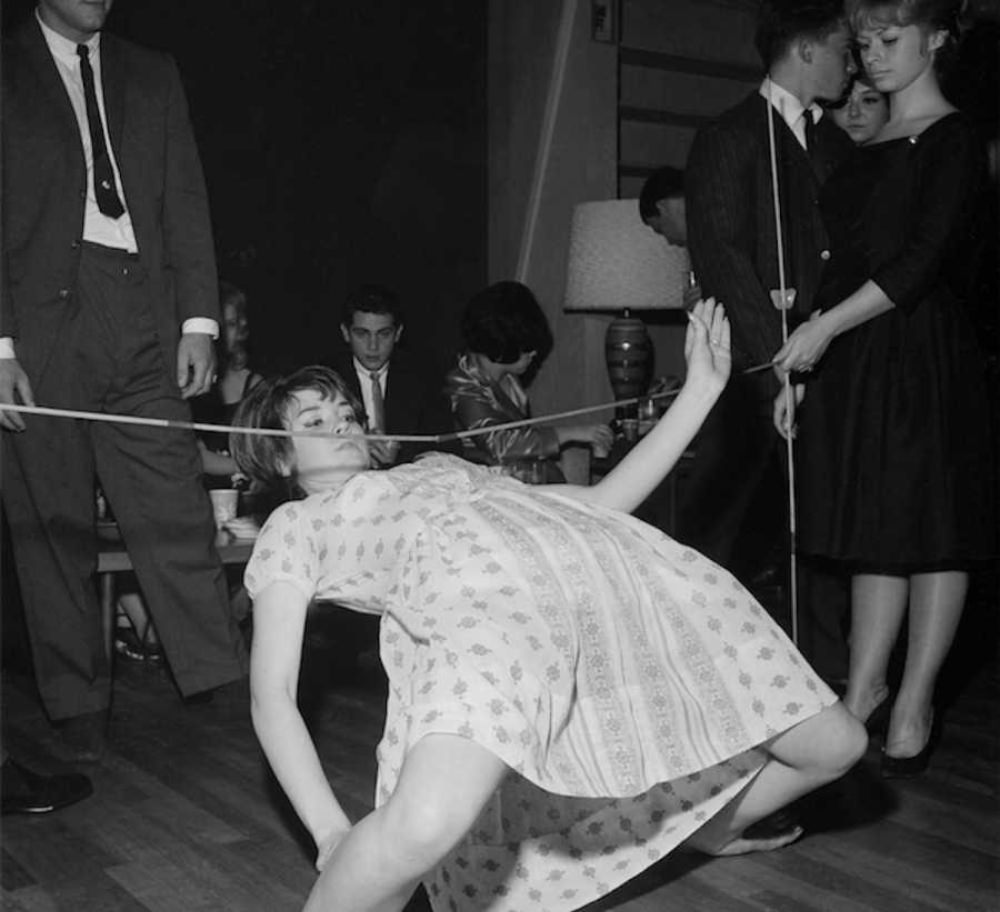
(28,792)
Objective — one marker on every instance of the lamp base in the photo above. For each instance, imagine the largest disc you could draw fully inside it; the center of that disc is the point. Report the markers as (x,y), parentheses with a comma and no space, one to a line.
(628,351)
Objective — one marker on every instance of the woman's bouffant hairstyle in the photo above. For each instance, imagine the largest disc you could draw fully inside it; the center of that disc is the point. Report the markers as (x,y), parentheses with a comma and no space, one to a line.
(261,457)
(505,321)
(932,15)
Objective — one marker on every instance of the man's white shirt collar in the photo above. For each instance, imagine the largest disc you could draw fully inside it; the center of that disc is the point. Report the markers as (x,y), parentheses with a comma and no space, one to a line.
(789,107)
(62,48)
(366,374)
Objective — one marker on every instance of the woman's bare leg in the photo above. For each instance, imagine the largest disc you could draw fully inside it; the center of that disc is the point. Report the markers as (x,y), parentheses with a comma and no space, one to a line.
(813,753)
(936,604)
(444,784)
(878,606)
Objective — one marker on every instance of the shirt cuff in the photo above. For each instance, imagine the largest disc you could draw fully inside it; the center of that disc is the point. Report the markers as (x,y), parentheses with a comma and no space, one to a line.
(7,347)
(199,325)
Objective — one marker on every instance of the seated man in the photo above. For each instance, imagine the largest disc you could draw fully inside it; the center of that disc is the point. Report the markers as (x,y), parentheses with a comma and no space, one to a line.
(400,397)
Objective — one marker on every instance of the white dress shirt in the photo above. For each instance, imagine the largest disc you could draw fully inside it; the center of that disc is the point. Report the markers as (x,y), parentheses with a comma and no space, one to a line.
(365,382)
(790,108)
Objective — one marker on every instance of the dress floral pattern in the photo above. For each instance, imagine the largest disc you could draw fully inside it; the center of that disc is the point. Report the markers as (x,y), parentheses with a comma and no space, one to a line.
(625,680)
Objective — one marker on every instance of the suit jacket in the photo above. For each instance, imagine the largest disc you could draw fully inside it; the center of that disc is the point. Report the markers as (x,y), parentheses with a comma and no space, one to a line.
(414,403)
(731,225)
(45,182)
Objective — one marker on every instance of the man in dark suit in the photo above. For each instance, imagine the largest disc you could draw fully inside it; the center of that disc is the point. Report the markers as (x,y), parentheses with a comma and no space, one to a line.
(107,256)
(732,238)
(400,396)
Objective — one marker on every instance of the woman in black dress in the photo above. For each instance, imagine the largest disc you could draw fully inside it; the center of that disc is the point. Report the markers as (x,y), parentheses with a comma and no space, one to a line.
(894,432)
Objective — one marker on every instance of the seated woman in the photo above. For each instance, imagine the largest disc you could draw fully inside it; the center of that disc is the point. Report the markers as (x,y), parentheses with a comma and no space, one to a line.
(235,377)
(505,333)
(572,694)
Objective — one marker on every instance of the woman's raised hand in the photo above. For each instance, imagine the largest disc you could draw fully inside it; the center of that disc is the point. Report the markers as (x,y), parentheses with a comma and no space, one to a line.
(707,345)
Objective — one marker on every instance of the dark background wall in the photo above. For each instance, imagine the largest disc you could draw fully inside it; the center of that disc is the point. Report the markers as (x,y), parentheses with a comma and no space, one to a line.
(342,143)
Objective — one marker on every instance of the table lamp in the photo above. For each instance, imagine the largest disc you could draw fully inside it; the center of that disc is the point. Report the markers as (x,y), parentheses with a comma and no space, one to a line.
(618,264)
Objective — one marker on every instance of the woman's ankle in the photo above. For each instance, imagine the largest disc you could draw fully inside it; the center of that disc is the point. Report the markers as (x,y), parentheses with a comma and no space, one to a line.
(862,701)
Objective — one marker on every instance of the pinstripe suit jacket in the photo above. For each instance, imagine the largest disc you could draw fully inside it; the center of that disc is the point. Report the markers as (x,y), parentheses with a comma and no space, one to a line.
(731,225)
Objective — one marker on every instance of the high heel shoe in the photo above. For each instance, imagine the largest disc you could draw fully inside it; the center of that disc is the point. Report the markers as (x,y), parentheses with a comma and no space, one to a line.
(878,719)
(910,767)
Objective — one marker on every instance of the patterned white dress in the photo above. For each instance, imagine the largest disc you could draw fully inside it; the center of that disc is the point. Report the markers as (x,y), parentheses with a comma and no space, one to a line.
(626,680)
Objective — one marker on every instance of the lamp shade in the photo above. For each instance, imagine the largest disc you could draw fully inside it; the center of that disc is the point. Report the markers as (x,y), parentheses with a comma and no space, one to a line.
(618,263)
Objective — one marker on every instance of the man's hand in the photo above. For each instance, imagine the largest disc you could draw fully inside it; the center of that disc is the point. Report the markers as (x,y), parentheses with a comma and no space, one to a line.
(784,410)
(195,364)
(16,390)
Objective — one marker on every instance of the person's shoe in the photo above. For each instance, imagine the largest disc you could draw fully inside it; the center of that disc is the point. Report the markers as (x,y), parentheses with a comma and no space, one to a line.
(83,739)
(891,767)
(878,720)
(27,792)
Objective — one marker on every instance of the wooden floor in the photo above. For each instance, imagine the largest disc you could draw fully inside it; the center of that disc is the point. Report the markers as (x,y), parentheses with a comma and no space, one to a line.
(185,817)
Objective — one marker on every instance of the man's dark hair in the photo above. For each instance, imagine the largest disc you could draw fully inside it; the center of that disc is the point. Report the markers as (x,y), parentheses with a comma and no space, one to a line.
(505,321)
(663,183)
(375,299)
(782,22)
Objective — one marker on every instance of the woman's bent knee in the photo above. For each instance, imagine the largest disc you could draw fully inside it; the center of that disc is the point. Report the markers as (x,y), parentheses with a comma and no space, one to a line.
(827,744)
(422,831)
(844,740)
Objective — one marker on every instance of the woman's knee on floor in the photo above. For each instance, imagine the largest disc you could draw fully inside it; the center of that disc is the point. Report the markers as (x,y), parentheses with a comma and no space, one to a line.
(840,740)
(827,744)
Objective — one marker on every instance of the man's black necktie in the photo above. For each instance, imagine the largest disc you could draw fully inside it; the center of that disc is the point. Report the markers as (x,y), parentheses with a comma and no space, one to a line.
(811,148)
(104,178)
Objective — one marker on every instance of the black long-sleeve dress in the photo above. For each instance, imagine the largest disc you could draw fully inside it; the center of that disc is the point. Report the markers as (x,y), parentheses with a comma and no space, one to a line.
(896,466)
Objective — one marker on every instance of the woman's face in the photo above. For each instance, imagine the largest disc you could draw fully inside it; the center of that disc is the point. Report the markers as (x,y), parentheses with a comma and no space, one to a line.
(325,462)
(895,56)
(863,114)
(235,328)
(521,364)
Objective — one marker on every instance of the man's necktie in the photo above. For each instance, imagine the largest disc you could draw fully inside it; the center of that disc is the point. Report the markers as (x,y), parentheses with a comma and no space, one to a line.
(812,149)
(378,405)
(104,178)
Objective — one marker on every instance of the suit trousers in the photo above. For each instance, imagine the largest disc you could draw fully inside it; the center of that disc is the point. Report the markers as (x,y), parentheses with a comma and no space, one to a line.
(726,514)
(107,357)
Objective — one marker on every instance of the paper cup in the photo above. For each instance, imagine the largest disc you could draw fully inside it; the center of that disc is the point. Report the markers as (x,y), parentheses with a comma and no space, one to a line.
(224,502)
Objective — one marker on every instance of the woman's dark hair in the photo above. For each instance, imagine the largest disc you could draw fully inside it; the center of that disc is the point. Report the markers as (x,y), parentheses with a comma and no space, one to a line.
(263,458)
(503,322)
(933,15)
(781,22)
